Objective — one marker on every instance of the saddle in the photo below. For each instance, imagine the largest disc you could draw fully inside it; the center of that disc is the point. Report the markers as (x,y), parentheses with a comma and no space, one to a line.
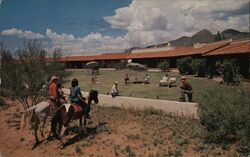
(77,108)
(78,111)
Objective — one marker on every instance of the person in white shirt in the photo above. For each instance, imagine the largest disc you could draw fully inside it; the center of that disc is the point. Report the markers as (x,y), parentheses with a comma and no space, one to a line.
(164,81)
(146,79)
(114,90)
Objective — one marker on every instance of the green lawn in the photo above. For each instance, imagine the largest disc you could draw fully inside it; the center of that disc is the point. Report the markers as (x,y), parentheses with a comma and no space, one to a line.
(107,79)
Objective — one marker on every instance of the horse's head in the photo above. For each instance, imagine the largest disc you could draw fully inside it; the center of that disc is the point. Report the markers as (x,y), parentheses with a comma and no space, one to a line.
(93,95)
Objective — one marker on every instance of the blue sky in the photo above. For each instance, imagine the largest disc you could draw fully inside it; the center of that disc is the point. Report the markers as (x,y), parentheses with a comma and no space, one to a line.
(97,26)
(77,17)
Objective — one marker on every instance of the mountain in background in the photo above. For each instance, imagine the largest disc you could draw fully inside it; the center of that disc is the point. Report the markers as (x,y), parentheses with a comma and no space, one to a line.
(234,34)
(204,36)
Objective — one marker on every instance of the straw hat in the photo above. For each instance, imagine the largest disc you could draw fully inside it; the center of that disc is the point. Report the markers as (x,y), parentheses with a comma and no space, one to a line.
(53,78)
(116,82)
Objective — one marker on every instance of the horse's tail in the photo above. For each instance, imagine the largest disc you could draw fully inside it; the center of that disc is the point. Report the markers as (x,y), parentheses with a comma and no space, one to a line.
(25,115)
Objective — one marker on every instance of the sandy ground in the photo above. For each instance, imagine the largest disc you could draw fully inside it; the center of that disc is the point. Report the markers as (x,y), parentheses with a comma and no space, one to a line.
(111,132)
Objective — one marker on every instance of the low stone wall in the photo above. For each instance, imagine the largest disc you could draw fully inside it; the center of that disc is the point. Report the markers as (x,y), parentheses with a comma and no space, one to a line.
(172,107)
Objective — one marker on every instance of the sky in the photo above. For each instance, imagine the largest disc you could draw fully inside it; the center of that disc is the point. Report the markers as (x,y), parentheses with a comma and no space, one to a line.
(102,26)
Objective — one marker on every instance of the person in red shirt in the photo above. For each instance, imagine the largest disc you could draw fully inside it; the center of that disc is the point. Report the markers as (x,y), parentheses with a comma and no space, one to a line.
(53,88)
(53,95)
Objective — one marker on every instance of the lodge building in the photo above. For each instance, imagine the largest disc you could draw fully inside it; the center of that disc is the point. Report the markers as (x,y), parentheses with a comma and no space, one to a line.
(239,49)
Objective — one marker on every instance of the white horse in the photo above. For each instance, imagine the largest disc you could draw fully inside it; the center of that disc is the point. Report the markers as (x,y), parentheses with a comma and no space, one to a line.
(40,113)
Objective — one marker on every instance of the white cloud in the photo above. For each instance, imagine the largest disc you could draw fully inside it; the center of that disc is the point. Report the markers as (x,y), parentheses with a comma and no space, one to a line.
(91,44)
(22,34)
(59,37)
(151,22)
(121,19)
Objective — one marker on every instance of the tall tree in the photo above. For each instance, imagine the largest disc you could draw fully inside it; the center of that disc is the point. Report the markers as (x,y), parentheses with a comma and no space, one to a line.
(218,37)
(27,75)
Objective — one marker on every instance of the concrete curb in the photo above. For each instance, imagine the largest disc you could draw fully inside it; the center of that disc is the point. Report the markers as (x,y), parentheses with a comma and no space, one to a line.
(172,107)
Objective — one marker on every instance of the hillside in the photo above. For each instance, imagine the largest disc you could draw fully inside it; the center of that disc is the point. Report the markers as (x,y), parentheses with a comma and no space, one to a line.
(203,36)
(234,34)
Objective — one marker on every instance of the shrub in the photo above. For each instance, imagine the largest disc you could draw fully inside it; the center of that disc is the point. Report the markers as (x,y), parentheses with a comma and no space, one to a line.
(164,66)
(121,65)
(185,65)
(229,71)
(2,102)
(226,115)
(199,66)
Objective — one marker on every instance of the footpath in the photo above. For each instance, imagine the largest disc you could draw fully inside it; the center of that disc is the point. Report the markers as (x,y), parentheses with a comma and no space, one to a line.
(172,107)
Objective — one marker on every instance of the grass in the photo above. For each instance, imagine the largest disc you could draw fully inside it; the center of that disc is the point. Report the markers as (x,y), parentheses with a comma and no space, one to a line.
(107,79)
(156,134)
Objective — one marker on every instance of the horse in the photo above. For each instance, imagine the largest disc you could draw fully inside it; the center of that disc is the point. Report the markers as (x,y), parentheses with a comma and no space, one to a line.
(41,111)
(69,112)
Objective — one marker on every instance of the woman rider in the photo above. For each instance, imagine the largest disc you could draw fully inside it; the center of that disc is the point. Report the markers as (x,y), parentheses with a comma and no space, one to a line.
(77,98)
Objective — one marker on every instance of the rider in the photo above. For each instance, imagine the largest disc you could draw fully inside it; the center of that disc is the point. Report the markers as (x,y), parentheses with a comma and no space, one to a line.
(77,98)
(54,98)
(53,89)
(60,93)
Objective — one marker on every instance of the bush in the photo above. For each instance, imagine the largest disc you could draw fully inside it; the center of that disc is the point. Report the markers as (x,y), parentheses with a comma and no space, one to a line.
(164,66)
(185,65)
(199,67)
(121,65)
(225,115)
(2,102)
(229,71)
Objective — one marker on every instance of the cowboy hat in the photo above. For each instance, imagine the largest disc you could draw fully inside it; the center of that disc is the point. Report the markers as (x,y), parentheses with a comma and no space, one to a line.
(53,78)
(116,82)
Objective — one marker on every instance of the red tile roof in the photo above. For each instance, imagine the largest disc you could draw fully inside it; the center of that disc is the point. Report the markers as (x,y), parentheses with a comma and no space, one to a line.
(237,47)
(210,47)
(216,48)
(112,56)
(104,56)
(182,51)
(160,54)
(78,58)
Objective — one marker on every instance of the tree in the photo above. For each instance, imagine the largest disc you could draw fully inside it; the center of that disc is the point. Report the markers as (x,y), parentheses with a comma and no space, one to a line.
(218,37)
(199,67)
(28,74)
(164,66)
(8,68)
(229,70)
(185,65)
(54,66)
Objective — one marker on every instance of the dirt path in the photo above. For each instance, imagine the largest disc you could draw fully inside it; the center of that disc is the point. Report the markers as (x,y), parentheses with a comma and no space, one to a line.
(173,107)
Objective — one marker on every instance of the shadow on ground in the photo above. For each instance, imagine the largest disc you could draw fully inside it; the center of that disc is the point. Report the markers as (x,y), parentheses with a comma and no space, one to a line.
(100,127)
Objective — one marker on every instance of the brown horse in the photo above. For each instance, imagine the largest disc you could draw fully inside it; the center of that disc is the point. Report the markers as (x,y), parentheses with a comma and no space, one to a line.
(69,112)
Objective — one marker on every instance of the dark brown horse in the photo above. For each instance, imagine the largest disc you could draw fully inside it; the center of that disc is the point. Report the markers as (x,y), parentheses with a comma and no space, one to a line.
(69,112)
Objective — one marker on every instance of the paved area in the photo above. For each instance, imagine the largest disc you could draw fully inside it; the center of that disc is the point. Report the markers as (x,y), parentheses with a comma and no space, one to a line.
(174,107)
